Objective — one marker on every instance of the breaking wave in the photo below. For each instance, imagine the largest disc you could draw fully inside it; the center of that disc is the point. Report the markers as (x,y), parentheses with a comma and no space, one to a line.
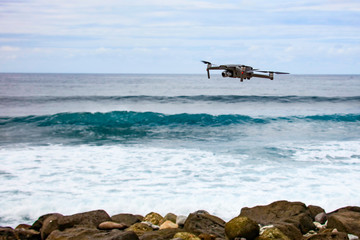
(130,119)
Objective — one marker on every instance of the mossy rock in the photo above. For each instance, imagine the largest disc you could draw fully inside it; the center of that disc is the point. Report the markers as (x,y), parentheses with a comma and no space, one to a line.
(272,234)
(139,228)
(186,236)
(241,227)
(154,218)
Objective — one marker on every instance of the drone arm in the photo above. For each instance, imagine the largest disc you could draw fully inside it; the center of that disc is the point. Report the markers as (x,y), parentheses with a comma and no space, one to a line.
(208,73)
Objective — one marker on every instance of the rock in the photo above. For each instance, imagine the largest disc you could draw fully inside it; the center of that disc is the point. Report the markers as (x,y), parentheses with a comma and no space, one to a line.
(241,227)
(345,220)
(23,231)
(49,224)
(154,218)
(28,234)
(180,220)
(163,234)
(198,223)
(329,236)
(352,237)
(186,236)
(171,217)
(38,223)
(315,210)
(289,230)
(319,226)
(7,233)
(23,226)
(272,234)
(86,219)
(295,213)
(205,236)
(321,217)
(126,218)
(109,225)
(153,226)
(168,224)
(85,233)
(139,228)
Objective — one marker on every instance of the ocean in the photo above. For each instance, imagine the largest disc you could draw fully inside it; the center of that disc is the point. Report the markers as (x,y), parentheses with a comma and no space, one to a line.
(129,143)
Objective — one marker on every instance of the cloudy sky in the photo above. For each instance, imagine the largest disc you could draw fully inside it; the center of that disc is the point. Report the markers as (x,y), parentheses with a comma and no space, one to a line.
(156,36)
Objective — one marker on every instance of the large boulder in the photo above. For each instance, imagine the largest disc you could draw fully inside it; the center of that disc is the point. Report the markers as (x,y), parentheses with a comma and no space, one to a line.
(241,227)
(37,225)
(203,222)
(85,233)
(56,221)
(295,213)
(345,220)
(126,218)
(86,219)
(49,224)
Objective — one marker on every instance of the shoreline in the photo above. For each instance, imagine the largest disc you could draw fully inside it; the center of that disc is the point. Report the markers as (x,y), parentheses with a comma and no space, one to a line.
(284,219)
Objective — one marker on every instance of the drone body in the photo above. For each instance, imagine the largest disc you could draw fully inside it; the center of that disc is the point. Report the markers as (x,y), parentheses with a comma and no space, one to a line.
(240,71)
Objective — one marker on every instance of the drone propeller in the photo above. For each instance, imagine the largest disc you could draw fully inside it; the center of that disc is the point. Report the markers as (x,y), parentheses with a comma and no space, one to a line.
(271,72)
(206,62)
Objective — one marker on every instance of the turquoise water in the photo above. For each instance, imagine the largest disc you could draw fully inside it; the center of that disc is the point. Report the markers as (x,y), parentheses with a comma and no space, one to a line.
(175,143)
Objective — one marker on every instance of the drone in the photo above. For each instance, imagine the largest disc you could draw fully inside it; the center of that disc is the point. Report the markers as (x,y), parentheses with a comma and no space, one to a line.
(240,71)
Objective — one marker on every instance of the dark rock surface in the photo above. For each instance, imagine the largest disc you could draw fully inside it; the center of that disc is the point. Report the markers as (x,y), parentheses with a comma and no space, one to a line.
(203,222)
(280,212)
(345,220)
(127,218)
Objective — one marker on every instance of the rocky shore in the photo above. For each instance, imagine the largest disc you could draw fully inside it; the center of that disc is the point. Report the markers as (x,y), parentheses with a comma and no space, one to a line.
(280,220)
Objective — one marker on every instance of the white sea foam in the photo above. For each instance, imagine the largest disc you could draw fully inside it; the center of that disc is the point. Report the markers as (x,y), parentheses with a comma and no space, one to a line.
(140,179)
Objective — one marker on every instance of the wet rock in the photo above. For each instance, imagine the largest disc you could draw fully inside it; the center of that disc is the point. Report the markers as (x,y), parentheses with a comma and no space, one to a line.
(168,224)
(345,220)
(109,225)
(7,233)
(139,228)
(86,219)
(186,236)
(329,236)
(295,213)
(272,234)
(163,234)
(85,233)
(126,218)
(203,222)
(241,227)
(154,218)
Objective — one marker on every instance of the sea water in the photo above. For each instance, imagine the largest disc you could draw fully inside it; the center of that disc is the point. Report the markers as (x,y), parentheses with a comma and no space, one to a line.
(71,143)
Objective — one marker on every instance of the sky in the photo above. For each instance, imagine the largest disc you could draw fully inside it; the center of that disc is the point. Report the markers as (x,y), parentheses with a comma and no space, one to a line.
(156,36)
